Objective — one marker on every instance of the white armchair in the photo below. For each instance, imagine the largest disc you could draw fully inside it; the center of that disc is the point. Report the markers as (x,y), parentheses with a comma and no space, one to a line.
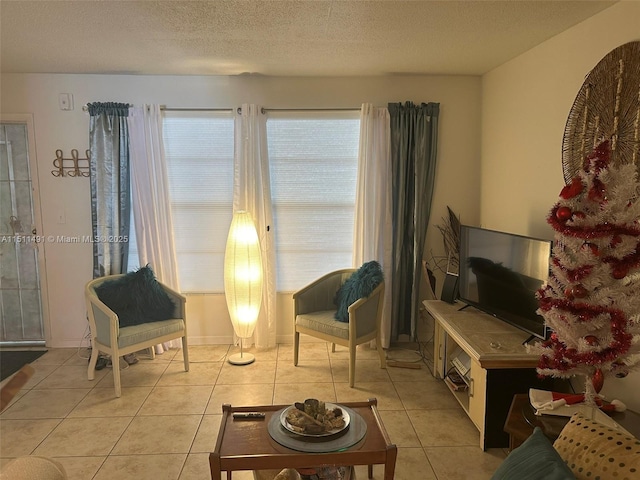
(107,336)
(314,312)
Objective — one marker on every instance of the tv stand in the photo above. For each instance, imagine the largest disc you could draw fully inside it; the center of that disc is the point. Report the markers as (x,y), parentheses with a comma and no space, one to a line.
(491,364)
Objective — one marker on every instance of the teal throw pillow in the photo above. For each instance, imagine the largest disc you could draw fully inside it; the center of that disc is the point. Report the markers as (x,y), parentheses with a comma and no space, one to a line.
(136,298)
(359,285)
(535,459)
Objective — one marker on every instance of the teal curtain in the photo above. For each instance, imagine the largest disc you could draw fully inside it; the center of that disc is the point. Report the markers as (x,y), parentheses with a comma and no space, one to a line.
(414,134)
(110,186)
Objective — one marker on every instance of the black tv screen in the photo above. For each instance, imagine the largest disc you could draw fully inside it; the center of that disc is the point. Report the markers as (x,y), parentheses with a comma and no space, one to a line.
(500,274)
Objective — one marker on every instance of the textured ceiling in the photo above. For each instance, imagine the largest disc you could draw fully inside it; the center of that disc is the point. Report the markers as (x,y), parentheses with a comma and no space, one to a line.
(293,38)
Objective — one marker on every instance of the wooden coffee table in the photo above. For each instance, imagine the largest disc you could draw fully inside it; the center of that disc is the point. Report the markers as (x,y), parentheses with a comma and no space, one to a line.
(247,444)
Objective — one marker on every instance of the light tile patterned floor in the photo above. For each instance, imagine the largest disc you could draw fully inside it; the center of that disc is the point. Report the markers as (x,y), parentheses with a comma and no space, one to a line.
(167,420)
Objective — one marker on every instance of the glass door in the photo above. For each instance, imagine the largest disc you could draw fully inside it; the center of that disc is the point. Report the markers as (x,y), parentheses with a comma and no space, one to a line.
(21,313)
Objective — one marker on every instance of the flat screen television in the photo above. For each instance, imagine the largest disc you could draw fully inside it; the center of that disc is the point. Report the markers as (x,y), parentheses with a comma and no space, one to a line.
(500,273)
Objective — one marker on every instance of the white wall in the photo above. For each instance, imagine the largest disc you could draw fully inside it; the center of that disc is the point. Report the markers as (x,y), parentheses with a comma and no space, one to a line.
(525,104)
(69,266)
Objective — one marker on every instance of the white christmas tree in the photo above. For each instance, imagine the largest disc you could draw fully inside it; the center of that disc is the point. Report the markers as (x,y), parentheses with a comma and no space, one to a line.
(591,300)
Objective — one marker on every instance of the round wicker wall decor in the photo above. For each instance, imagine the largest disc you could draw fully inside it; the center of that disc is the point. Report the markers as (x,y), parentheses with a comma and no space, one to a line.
(607,107)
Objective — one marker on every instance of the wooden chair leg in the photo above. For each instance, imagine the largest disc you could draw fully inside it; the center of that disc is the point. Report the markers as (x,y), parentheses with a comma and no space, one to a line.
(296,346)
(333,348)
(185,353)
(91,369)
(115,366)
(381,354)
(352,365)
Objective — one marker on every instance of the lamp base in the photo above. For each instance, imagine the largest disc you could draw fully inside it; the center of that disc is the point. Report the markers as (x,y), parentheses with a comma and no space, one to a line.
(241,359)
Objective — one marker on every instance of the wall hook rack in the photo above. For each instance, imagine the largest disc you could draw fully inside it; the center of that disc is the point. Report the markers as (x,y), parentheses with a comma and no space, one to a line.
(71,167)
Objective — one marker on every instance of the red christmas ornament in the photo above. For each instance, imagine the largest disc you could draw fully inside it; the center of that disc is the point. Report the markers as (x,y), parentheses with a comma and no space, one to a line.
(572,190)
(619,272)
(568,292)
(592,340)
(563,214)
(545,302)
(597,379)
(579,291)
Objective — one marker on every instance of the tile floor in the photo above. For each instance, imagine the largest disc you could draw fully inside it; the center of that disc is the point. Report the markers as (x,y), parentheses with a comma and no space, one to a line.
(166,422)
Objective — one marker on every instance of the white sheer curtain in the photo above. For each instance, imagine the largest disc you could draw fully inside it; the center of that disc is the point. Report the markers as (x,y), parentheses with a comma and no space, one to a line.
(252,192)
(372,232)
(150,197)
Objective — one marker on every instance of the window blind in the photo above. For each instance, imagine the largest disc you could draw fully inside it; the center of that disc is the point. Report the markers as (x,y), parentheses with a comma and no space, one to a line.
(199,152)
(313,159)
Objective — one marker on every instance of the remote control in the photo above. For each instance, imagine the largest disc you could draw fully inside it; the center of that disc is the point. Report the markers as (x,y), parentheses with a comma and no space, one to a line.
(248,415)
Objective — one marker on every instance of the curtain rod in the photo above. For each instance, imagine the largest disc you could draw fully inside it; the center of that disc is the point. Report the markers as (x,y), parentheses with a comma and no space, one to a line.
(262,110)
(85,108)
(348,109)
(182,109)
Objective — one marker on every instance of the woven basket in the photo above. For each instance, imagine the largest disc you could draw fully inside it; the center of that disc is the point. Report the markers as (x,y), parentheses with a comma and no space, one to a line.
(607,107)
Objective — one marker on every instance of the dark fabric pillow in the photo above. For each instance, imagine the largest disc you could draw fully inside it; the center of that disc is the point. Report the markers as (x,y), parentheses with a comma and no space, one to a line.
(359,285)
(136,298)
(535,459)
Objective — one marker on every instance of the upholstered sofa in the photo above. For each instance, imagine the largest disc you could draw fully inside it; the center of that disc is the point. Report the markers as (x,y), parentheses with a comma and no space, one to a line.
(584,450)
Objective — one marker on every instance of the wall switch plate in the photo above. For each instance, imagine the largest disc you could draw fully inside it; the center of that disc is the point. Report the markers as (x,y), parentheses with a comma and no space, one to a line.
(65,101)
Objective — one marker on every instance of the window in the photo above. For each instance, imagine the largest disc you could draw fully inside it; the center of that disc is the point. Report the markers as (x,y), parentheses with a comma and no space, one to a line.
(313,159)
(199,152)
(313,166)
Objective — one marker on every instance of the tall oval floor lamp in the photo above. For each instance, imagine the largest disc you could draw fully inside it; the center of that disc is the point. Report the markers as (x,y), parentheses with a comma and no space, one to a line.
(243,280)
